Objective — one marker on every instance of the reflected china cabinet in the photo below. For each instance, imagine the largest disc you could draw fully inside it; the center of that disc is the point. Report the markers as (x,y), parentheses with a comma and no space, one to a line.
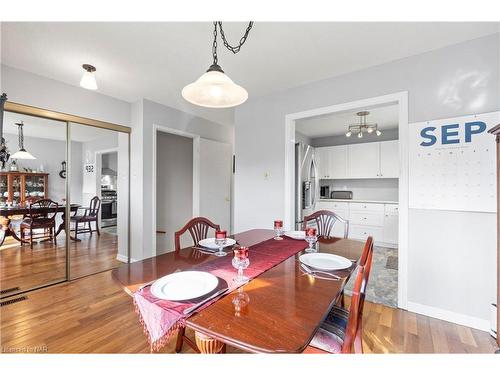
(496,131)
(23,186)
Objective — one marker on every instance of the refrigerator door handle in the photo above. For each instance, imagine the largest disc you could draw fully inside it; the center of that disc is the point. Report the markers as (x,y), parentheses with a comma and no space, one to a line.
(315,193)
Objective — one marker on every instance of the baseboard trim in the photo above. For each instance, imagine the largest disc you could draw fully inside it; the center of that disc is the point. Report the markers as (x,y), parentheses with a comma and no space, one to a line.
(450,316)
(124,259)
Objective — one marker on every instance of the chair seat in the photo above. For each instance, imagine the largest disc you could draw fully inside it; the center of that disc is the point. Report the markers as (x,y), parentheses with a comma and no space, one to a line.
(327,341)
(37,223)
(83,218)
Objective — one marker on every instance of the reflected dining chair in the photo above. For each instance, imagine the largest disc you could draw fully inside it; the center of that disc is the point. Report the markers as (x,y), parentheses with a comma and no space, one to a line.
(198,228)
(332,338)
(41,215)
(89,216)
(337,322)
(325,221)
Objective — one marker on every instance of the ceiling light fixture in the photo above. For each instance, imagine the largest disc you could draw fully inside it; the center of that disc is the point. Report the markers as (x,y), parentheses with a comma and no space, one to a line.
(22,153)
(88,79)
(214,89)
(363,126)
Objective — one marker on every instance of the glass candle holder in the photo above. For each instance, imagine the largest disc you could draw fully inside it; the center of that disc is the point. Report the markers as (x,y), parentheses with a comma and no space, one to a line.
(278,229)
(240,262)
(220,241)
(311,239)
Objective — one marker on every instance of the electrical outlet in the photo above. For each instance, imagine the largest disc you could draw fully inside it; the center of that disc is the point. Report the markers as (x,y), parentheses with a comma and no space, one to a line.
(266,175)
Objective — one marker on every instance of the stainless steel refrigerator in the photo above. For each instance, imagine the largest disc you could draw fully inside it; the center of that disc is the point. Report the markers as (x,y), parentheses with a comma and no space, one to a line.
(306,182)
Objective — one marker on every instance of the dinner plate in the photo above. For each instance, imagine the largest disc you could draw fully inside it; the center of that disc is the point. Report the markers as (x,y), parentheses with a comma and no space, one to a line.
(185,285)
(210,243)
(296,234)
(325,262)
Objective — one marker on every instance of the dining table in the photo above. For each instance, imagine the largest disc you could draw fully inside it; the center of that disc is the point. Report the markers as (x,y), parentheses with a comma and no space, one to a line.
(279,311)
(7,212)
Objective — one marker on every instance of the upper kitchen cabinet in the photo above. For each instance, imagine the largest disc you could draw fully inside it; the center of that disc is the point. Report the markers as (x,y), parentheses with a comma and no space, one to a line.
(389,159)
(364,160)
(332,162)
(323,161)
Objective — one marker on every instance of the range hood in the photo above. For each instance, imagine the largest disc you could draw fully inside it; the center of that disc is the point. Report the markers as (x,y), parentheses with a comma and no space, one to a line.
(108,172)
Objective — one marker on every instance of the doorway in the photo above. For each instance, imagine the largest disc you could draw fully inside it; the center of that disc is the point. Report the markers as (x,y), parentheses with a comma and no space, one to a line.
(400,100)
(174,187)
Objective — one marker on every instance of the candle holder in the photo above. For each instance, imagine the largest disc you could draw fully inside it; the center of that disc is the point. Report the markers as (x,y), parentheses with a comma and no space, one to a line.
(311,239)
(220,241)
(278,229)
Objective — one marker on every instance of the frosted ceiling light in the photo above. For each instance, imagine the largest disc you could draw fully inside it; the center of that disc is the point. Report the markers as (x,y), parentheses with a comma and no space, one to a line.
(88,80)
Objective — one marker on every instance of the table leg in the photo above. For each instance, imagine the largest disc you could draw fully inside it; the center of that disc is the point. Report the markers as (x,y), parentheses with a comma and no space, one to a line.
(6,230)
(208,345)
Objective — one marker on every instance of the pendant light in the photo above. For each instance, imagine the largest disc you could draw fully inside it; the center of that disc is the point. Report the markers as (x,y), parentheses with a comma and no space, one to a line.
(88,79)
(22,153)
(215,89)
(363,126)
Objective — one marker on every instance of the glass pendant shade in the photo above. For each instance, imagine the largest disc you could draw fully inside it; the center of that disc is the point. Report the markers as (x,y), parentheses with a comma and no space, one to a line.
(88,81)
(214,89)
(23,154)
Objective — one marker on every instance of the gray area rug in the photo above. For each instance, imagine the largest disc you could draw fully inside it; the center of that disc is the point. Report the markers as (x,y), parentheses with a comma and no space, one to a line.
(383,283)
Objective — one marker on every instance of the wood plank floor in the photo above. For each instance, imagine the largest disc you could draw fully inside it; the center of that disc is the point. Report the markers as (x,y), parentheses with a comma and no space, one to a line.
(23,268)
(94,315)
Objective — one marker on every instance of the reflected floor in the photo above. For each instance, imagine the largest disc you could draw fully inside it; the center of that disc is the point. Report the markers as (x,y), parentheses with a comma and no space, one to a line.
(22,268)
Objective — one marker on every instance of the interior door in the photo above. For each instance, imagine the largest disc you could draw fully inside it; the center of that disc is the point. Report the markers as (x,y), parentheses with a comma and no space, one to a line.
(215,182)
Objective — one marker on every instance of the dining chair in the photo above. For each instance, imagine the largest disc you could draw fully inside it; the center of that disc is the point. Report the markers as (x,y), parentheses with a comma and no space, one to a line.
(198,228)
(330,338)
(325,221)
(90,215)
(367,250)
(41,215)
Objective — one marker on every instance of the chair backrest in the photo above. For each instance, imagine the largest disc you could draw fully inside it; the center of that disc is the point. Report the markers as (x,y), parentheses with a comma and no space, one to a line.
(198,228)
(94,206)
(43,209)
(355,309)
(325,220)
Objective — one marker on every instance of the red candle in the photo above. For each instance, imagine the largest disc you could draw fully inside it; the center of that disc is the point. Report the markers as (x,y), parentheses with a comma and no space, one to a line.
(241,253)
(220,234)
(278,224)
(310,231)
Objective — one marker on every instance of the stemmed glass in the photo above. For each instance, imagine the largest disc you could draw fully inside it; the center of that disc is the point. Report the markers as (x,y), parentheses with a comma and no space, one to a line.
(311,239)
(220,240)
(278,228)
(240,262)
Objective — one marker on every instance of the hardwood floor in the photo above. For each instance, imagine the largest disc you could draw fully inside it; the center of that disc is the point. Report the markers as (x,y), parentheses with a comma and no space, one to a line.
(23,268)
(94,315)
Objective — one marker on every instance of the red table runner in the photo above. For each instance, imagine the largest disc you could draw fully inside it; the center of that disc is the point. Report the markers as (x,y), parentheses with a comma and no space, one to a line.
(160,318)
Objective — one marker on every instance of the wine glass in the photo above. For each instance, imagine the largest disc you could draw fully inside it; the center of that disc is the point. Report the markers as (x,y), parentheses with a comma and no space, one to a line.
(220,240)
(240,262)
(278,228)
(311,239)
(240,302)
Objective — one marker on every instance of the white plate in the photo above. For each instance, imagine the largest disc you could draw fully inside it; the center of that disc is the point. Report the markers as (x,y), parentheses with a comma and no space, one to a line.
(325,262)
(182,286)
(210,243)
(296,234)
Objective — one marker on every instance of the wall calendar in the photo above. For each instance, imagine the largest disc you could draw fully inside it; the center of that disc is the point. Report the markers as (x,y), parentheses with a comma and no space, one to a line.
(452,164)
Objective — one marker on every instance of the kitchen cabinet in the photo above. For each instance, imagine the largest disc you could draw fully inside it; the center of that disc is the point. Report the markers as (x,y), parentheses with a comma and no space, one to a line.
(389,159)
(379,220)
(364,160)
(323,162)
(337,161)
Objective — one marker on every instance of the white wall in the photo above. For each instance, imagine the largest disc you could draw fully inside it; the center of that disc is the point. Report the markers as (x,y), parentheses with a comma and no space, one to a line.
(174,187)
(145,114)
(449,82)
(50,153)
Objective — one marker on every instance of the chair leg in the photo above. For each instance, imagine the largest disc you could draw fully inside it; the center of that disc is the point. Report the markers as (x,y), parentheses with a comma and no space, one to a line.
(90,228)
(76,230)
(180,339)
(31,238)
(22,236)
(97,227)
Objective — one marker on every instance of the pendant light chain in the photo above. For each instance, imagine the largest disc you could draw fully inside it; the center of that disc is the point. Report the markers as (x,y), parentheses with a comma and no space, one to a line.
(233,49)
(20,135)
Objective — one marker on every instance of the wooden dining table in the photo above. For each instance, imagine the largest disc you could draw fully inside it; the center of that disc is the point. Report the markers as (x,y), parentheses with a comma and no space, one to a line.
(7,212)
(277,312)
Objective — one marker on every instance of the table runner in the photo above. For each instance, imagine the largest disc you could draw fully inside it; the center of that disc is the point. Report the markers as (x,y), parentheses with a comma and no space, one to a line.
(161,318)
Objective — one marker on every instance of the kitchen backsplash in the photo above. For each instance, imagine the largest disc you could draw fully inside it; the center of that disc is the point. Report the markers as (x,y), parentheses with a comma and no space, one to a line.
(384,189)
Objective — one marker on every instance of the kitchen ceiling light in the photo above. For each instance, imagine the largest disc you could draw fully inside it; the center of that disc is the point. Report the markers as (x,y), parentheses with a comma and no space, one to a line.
(88,80)
(214,89)
(22,153)
(363,126)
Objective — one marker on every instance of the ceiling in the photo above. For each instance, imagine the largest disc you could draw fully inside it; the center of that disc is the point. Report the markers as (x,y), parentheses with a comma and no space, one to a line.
(50,129)
(337,123)
(156,60)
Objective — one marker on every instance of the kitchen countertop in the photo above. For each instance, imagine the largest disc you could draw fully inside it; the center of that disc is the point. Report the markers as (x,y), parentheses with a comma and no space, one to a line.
(357,201)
